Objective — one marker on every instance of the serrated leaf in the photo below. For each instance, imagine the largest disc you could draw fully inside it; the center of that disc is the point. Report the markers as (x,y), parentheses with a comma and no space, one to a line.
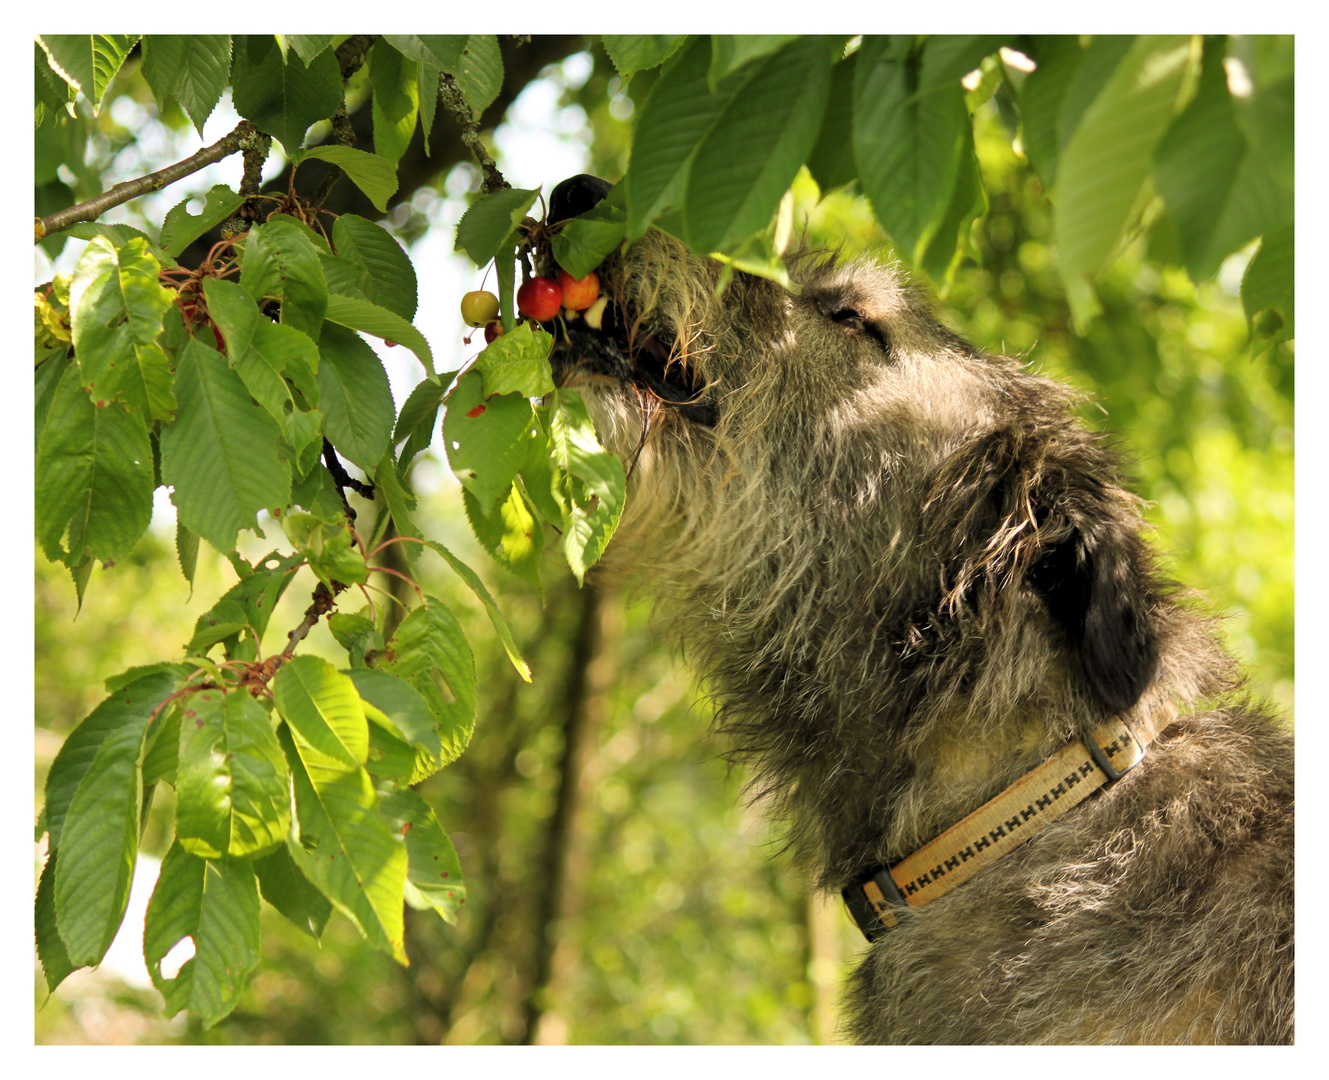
(1107,160)
(330,547)
(383,272)
(323,709)
(440,50)
(399,498)
(396,102)
(232,785)
(908,145)
(247,605)
(280,262)
(192,68)
(346,848)
(946,248)
(509,531)
(429,650)
(215,904)
(286,888)
(356,634)
(489,221)
(354,396)
(729,52)
(631,53)
(373,175)
(518,363)
(420,408)
(380,323)
(596,487)
(477,586)
(220,455)
(831,160)
(306,46)
(116,307)
(283,97)
(678,112)
(56,966)
(1268,286)
(407,713)
(93,476)
(433,868)
(127,705)
(186,550)
(99,843)
(479,72)
(583,243)
(485,437)
(88,62)
(181,228)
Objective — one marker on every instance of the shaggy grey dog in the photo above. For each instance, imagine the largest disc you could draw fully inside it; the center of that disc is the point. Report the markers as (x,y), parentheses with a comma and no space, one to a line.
(910,574)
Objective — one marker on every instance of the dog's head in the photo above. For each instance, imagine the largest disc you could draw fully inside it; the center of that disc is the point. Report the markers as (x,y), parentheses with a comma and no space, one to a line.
(837,441)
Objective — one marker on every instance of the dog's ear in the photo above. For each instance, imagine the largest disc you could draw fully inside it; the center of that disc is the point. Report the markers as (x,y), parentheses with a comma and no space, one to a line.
(1096,587)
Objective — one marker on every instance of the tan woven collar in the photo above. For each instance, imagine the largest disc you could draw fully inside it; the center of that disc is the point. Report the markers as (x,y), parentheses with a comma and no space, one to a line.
(1004,822)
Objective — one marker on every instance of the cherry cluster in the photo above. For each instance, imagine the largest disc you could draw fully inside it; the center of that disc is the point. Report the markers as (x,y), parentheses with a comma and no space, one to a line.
(539,299)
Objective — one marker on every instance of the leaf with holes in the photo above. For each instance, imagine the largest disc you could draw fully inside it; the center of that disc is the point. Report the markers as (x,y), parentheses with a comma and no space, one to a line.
(486,437)
(433,876)
(214,904)
(181,228)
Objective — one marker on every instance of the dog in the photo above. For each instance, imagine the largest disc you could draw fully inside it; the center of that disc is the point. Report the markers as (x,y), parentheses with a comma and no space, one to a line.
(911,576)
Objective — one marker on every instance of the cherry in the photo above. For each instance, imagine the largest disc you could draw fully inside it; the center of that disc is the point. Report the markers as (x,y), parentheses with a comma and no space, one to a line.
(479,307)
(492,330)
(540,299)
(579,293)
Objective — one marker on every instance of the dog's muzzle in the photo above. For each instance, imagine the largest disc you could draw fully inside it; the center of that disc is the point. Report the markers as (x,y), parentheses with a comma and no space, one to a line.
(620,348)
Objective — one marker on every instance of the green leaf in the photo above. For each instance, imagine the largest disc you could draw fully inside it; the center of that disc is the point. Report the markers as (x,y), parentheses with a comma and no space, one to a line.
(280,262)
(729,52)
(87,62)
(248,604)
(220,455)
(406,713)
(479,72)
(1219,191)
(678,112)
(51,951)
(116,306)
(323,708)
(232,785)
(831,160)
(429,650)
(215,904)
(752,153)
(433,870)
(396,101)
(596,487)
(1267,287)
(399,498)
(373,175)
(356,634)
(518,363)
(631,53)
(948,58)
(908,146)
(186,550)
(1042,97)
(420,409)
(93,476)
(354,395)
(265,355)
(306,46)
(427,79)
(439,50)
(486,437)
(489,221)
(381,323)
(510,532)
(382,271)
(192,68)
(181,228)
(1108,159)
(329,546)
(583,243)
(283,97)
(129,705)
(346,848)
(287,889)
(946,248)
(99,843)
(477,586)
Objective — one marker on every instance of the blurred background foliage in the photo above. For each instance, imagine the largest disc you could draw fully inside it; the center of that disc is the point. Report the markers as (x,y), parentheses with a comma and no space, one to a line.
(680,920)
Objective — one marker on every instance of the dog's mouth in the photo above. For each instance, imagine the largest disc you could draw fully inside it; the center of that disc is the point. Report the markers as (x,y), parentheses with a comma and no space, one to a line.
(610,341)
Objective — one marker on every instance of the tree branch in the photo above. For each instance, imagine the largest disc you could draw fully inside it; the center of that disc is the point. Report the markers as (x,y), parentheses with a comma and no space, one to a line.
(244,137)
(455,102)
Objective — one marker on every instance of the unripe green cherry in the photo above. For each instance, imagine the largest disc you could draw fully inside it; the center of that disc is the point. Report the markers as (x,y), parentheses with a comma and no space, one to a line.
(479,307)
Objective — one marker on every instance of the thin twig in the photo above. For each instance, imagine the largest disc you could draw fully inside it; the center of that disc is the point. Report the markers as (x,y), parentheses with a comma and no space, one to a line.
(244,137)
(455,101)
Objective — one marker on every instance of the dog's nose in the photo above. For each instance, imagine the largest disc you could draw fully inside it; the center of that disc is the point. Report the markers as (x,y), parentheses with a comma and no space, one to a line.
(576,195)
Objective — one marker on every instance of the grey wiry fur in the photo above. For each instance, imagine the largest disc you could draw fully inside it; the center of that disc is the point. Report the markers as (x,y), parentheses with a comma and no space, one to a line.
(910,574)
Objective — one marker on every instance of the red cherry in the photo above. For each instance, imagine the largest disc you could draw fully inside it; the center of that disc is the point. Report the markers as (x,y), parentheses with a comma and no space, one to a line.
(579,293)
(540,299)
(492,330)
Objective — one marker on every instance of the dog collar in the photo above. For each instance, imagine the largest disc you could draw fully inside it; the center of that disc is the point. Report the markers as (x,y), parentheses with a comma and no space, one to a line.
(1004,822)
